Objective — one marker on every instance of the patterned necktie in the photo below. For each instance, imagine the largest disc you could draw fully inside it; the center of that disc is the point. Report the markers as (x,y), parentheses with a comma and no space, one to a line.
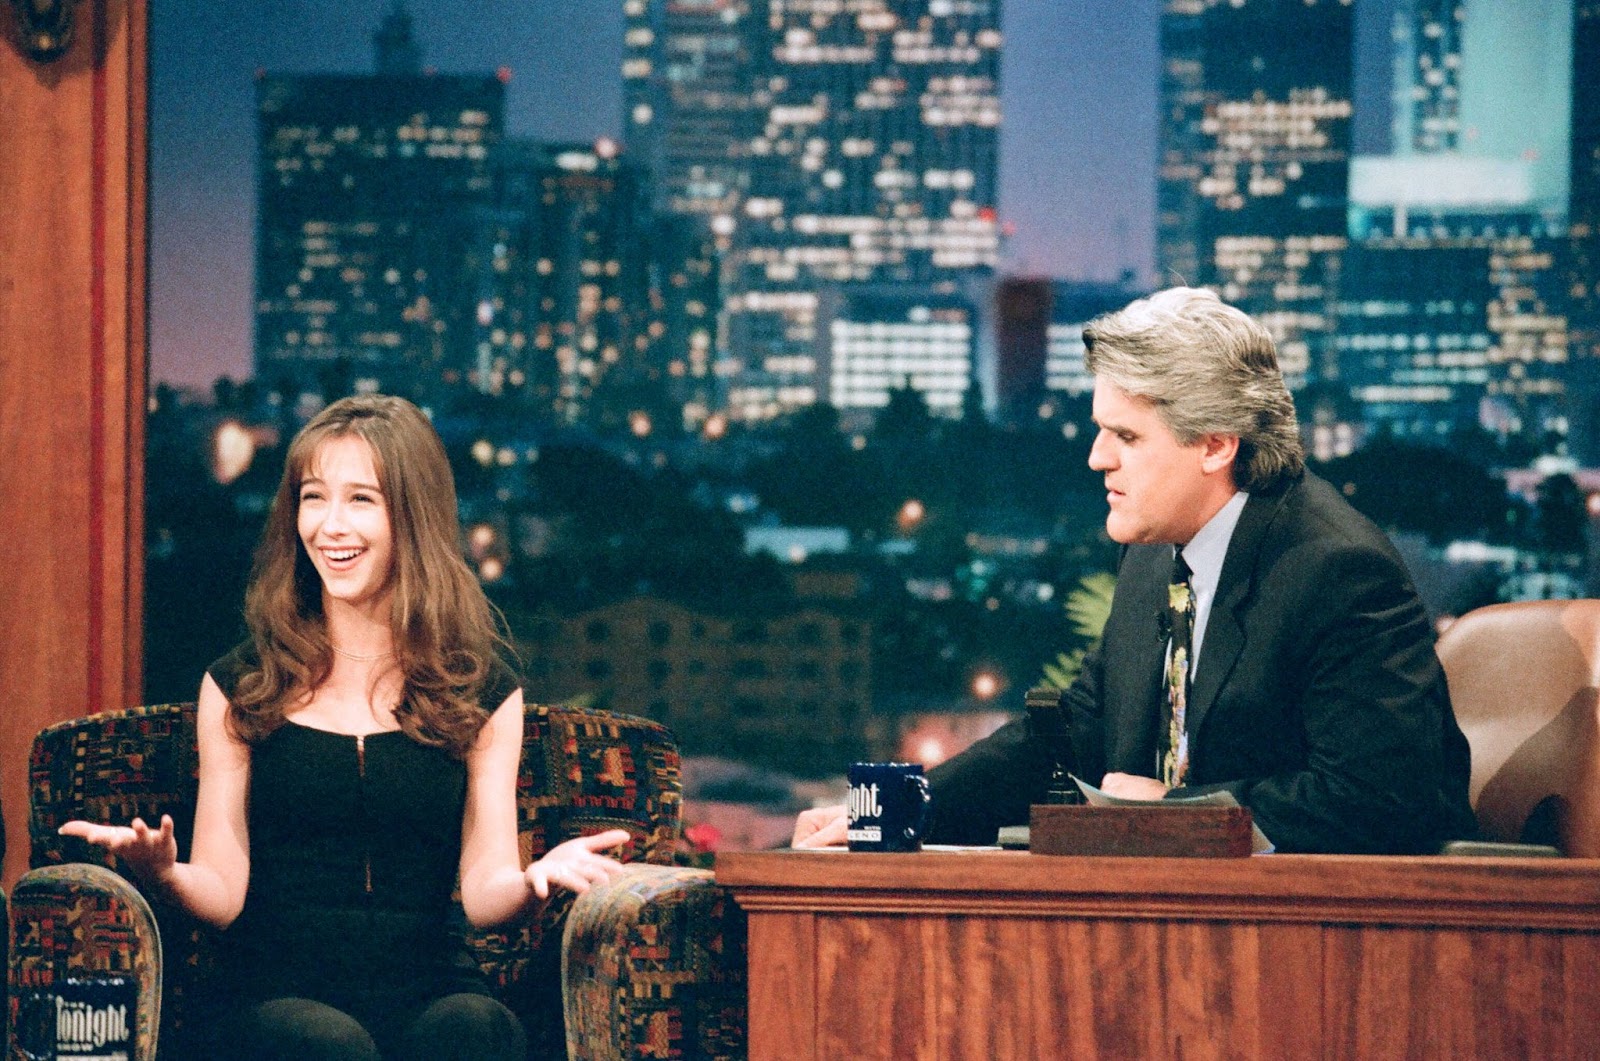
(1174,751)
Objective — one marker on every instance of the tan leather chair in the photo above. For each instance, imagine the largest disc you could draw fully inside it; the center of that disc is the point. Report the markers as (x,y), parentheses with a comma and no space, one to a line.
(1525,683)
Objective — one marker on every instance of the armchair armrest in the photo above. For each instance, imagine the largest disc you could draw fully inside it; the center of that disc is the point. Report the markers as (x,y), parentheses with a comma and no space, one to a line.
(84,924)
(653,965)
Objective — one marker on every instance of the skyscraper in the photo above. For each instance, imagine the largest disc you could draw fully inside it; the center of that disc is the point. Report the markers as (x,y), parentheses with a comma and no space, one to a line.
(686,300)
(1022,307)
(877,163)
(690,108)
(827,145)
(1454,306)
(1427,68)
(1254,161)
(1585,147)
(562,271)
(883,337)
(1516,93)
(367,185)
(1414,338)
(589,308)
(690,101)
(1483,122)
(1583,250)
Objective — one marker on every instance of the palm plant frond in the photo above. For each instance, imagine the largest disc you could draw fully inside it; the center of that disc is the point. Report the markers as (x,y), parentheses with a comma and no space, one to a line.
(1088,606)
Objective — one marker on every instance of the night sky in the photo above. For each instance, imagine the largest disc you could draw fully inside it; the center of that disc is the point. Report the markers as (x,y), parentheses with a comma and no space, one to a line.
(1077,148)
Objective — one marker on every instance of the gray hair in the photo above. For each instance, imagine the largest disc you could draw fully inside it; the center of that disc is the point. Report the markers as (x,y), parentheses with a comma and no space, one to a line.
(1208,368)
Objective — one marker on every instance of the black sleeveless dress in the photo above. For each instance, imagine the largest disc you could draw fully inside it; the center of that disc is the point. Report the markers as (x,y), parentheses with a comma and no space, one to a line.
(355,843)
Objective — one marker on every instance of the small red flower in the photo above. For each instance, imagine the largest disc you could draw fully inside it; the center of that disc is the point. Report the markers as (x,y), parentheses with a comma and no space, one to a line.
(703,837)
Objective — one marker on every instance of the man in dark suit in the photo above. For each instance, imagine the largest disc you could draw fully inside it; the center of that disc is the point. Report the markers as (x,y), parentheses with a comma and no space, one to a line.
(1307,685)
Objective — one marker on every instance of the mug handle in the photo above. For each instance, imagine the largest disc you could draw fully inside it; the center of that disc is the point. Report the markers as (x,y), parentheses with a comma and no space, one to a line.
(919,782)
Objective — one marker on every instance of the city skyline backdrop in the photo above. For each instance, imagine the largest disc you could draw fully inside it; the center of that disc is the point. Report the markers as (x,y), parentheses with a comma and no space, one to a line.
(1077,148)
(458,239)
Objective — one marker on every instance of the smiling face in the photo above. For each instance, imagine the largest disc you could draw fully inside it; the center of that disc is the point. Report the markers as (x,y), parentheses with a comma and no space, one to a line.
(345,527)
(1159,490)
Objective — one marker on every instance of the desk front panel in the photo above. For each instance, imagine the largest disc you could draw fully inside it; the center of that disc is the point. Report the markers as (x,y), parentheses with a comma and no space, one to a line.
(970,987)
(942,955)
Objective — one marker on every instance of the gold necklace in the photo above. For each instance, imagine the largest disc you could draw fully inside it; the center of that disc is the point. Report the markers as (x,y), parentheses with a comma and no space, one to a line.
(360,658)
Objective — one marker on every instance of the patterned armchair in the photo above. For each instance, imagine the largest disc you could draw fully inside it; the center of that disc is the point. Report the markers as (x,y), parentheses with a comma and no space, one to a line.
(583,771)
(105,939)
(655,968)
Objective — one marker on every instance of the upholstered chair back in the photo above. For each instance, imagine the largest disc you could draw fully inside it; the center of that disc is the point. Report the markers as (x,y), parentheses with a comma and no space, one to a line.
(1525,685)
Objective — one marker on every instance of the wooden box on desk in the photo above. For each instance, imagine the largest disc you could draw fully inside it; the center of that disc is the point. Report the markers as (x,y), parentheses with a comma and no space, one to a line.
(1165,831)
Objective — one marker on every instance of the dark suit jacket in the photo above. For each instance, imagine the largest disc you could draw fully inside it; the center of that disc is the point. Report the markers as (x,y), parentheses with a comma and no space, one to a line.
(1318,700)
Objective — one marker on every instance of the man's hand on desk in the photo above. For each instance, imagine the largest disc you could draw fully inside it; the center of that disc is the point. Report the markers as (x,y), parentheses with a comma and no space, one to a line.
(820,827)
(1132,786)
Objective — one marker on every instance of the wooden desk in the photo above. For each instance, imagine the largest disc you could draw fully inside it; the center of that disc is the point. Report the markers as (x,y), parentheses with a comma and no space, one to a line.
(1000,955)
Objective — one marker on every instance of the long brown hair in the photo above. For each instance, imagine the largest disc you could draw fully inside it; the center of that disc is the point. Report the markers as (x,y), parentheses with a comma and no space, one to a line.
(442,625)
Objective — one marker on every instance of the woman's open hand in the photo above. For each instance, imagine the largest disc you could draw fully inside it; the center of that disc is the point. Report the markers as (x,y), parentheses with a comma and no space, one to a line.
(150,853)
(577,864)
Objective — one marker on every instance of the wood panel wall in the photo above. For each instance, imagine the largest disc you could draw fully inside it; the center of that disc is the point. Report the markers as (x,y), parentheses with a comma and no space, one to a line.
(73,227)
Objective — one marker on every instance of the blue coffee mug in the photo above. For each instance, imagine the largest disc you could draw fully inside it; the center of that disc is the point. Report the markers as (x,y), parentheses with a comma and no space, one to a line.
(888,807)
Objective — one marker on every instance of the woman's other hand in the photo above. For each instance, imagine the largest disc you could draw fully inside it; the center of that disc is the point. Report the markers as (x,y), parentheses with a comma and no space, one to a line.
(577,864)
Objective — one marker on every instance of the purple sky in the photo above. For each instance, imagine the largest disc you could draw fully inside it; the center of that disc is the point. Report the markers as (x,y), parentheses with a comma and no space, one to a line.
(1077,172)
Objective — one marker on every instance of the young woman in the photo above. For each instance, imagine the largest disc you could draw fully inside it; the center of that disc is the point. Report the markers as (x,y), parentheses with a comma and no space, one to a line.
(358,757)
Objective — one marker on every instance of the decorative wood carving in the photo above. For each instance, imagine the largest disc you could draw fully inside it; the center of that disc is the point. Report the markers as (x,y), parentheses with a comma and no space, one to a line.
(45,27)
